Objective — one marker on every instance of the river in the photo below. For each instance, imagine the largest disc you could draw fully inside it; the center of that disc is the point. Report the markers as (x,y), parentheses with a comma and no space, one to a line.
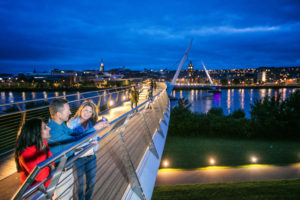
(229,99)
(201,100)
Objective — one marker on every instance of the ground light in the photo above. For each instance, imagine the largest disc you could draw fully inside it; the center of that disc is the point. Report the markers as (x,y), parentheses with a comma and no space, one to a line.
(165,163)
(212,161)
(253,159)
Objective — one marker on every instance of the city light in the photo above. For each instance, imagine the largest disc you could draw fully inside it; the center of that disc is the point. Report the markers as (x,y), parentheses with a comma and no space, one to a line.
(165,163)
(253,159)
(111,103)
(124,97)
(212,161)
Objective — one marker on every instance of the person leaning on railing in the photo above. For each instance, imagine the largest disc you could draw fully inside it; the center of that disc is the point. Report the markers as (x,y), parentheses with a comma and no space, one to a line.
(31,149)
(61,138)
(84,119)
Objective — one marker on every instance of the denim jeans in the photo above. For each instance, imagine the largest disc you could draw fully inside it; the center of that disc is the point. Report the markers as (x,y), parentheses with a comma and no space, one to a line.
(86,165)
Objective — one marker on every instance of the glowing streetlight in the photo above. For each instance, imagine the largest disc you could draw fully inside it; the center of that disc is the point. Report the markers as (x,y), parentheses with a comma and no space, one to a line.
(253,159)
(111,102)
(124,97)
(165,163)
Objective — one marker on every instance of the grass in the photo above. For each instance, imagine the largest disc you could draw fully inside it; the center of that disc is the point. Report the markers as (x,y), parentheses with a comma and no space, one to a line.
(263,190)
(194,152)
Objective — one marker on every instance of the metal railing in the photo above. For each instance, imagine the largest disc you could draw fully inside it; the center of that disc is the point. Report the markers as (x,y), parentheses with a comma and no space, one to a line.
(121,148)
(18,112)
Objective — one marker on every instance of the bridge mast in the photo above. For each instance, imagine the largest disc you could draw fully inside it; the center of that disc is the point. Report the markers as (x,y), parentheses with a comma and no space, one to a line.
(171,85)
(207,74)
(181,63)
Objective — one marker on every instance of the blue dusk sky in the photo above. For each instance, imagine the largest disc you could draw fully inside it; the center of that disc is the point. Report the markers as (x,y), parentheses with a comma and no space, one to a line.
(47,34)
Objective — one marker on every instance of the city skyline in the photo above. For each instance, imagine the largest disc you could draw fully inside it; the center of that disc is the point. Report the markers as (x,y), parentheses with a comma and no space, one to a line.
(153,35)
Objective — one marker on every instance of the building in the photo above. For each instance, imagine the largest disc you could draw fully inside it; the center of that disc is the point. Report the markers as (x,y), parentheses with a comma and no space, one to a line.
(101,66)
(190,69)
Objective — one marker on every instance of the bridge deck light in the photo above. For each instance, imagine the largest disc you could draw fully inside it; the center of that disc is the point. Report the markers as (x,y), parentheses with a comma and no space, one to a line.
(165,163)
(111,102)
(212,161)
(253,159)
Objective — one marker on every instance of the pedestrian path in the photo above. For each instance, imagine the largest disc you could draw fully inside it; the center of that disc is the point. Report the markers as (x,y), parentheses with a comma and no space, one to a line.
(219,175)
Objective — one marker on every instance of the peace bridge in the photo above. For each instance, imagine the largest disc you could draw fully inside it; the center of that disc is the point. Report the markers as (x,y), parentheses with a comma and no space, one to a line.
(129,153)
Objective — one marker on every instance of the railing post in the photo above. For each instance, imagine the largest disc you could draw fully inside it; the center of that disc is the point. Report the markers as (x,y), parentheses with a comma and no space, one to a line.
(99,102)
(117,97)
(23,115)
(56,176)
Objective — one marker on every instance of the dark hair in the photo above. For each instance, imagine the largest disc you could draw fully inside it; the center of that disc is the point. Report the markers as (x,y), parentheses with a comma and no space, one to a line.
(57,105)
(29,135)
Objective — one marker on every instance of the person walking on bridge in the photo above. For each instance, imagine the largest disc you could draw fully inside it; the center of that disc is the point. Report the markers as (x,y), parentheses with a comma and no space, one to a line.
(61,138)
(134,97)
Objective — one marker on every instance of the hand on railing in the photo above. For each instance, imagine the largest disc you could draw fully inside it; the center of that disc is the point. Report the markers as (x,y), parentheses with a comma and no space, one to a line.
(101,124)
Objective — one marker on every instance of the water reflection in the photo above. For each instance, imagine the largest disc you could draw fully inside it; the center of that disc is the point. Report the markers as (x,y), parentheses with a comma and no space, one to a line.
(23,96)
(242,99)
(33,94)
(11,97)
(45,94)
(3,97)
(284,94)
(229,100)
(262,93)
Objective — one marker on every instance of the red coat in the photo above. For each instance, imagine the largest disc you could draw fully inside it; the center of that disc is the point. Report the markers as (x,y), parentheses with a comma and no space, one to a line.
(29,159)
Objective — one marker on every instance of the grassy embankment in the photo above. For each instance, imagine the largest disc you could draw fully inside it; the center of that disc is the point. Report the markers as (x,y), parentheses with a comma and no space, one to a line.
(195,152)
(263,190)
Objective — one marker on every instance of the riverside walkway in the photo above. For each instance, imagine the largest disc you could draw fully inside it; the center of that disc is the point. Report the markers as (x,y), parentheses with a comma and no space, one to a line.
(219,175)
(114,179)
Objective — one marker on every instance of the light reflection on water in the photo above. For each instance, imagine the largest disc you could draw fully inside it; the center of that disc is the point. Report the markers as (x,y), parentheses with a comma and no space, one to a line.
(229,99)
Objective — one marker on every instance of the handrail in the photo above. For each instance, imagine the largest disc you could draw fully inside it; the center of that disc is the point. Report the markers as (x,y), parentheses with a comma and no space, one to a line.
(26,190)
(61,96)
(9,122)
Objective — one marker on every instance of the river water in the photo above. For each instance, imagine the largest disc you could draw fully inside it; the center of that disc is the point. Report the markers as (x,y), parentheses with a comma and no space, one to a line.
(229,99)
(201,100)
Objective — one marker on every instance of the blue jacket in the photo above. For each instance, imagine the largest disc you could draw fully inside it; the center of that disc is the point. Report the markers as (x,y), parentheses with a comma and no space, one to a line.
(62,137)
(78,129)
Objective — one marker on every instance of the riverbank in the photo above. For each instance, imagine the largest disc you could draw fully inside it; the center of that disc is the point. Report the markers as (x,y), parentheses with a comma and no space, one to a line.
(196,152)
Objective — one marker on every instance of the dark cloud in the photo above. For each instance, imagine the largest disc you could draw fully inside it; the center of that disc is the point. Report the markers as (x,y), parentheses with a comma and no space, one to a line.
(78,34)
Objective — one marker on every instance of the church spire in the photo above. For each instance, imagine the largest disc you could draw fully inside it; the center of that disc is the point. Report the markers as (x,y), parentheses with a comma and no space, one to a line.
(101,66)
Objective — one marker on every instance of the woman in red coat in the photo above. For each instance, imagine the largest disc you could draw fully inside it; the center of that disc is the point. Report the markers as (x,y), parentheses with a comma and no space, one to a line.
(32,148)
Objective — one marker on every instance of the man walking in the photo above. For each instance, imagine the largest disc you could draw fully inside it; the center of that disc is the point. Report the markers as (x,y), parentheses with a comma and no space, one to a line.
(134,97)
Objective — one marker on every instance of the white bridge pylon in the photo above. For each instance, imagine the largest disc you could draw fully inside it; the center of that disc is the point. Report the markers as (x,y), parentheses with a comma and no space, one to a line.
(207,74)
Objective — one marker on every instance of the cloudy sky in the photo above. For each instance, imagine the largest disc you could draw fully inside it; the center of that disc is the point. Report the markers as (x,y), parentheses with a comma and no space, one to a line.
(47,34)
